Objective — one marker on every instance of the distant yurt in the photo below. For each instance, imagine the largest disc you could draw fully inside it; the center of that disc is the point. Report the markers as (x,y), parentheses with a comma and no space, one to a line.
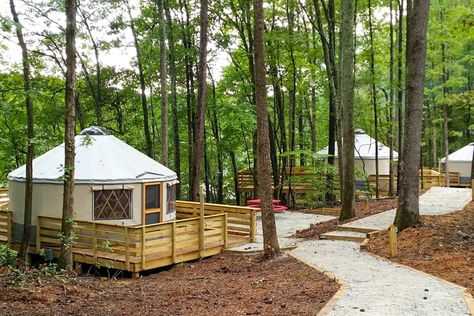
(364,152)
(460,161)
(114,184)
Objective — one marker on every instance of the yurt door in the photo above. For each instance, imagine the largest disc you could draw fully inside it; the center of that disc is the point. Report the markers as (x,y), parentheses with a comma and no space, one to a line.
(152,203)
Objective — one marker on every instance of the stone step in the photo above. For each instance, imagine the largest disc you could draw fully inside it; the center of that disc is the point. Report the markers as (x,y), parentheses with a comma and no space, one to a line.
(344,235)
(355,229)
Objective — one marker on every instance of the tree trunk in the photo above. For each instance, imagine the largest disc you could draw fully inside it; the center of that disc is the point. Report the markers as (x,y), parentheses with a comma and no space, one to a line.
(347,107)
(215,131)
(141,77)
(235,172)
(174,103)
(391,184)
(67,235)
(270,240)
(408,202)
(445,114)
(31,135)
(164,86)
(400,92)
(374,100)
(201,110)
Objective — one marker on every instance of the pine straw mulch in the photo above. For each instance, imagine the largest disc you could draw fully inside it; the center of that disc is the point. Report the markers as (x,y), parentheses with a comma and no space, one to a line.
(363,209)
(441,245)
(226,284)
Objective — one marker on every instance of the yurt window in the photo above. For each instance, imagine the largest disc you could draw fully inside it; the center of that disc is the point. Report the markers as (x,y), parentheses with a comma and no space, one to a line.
(152,203)
(112,204)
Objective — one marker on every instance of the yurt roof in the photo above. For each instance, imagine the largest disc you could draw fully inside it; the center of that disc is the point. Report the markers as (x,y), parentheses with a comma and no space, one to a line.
(365,147)
(100,158)
(463,154)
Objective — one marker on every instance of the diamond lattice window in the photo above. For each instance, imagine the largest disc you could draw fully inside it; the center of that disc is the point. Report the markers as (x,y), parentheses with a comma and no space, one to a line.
(113,204)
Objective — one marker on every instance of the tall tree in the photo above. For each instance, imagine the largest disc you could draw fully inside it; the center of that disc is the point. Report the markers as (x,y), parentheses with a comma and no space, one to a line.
(270,239)
(400,91)
(65,258)
(141,77)
(201,109)
(174,102)
(347,106)
(374,100)
(391,185)
(408,203)
(31,134)
(164,86)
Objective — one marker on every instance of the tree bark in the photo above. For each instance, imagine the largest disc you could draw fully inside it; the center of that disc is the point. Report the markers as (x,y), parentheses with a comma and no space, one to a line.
(174,103)
(374,101)
(141,77)
(445,113)
(201,110)
(270,240)
(400,92)
(22,254)
(408,202)
(163,84)
(347,107)
(66,254)
(391,184)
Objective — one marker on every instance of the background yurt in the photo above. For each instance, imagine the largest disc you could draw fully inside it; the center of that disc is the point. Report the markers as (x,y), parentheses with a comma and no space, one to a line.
(365,156)
(460,161)
(114,183)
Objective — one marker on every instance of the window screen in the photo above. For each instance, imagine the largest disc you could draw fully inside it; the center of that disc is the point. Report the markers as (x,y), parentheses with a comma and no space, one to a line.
(113,204)
(171,198)
(152,196)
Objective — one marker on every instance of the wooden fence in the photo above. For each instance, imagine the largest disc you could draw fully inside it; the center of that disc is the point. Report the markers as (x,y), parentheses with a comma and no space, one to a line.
(241,221)
(5,226)
(137,248)
(4,199)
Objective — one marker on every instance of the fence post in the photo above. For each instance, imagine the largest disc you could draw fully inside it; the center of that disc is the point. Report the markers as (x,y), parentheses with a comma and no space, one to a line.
(143,247)
(38,234)
(201,221)
(225,230)
(127,252)
(253,226)
(94,242)
(393,240)
(173,241)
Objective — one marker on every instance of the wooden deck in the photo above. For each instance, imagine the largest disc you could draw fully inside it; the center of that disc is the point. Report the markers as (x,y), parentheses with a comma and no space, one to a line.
(138,248)
(146,247)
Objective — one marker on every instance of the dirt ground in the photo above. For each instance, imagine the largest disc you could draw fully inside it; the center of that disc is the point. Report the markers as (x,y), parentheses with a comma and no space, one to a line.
(226,284)
(363,209)
(441,245)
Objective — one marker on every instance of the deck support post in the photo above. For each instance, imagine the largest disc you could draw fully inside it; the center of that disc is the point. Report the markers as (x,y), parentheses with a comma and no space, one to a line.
(201,221)
(225,230)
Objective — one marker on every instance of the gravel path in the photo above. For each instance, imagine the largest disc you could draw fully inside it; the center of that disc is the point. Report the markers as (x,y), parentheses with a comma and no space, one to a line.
(379,287)
(436,201)
(287,224)
(376,286)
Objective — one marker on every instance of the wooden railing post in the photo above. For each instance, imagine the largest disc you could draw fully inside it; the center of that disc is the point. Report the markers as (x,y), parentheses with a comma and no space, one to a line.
(201,222)
(38,234)
(253,226)
(173,241)
(9,228)
(94,242)
(225,230)
(127,252)
(143,247)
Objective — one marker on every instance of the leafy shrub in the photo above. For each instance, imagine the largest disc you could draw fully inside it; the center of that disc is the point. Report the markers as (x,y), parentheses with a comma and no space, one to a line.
(7,256)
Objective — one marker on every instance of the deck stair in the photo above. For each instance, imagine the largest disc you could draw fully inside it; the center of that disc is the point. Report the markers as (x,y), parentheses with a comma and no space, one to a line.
(344,235)
(348,233)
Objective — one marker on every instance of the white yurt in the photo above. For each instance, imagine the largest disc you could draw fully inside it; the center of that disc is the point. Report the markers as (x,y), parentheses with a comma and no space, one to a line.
(114,184)
(460,161)
(364,152)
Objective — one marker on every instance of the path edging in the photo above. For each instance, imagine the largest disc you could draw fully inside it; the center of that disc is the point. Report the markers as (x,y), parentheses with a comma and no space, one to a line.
(337,296)
(468,298)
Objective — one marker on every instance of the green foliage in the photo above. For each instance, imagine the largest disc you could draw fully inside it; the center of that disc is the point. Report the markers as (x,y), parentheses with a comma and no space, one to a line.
(8,256)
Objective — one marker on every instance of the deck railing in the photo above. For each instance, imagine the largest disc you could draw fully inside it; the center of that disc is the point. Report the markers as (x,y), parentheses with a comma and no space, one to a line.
(241,220)
(5,226)
(137,248)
